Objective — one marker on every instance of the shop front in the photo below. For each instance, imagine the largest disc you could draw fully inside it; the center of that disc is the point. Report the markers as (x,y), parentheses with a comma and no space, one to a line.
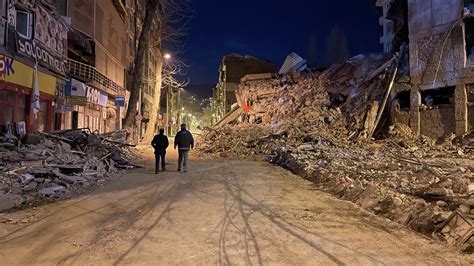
(16,83)
(88,107)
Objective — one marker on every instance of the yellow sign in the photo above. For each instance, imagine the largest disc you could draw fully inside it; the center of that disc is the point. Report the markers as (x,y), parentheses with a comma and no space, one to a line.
(13,71)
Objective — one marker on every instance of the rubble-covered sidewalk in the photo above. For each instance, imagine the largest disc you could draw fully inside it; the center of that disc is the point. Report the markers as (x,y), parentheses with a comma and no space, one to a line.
(320,125)
(55,165)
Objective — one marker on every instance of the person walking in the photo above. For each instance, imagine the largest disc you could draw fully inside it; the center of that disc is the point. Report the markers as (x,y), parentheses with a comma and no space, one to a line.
(160,143)
(184,141)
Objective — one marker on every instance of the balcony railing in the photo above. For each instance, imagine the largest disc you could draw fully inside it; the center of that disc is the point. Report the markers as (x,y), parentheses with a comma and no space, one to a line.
(91,74)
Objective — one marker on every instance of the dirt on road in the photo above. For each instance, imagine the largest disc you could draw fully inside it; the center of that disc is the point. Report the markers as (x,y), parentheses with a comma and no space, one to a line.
(220,212)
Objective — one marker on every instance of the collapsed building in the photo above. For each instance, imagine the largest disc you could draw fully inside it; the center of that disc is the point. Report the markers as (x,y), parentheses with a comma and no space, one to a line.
(415,102)
(439,98)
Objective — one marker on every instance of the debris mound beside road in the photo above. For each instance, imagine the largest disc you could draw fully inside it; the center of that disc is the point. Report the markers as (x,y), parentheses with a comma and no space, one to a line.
(321,126)
(50,166)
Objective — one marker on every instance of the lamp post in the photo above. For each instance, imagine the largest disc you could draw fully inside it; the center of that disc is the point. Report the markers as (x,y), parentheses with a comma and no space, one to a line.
(167,57)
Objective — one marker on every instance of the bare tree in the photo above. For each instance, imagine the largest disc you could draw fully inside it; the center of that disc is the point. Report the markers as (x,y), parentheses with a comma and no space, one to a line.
(151,11)
(172,16)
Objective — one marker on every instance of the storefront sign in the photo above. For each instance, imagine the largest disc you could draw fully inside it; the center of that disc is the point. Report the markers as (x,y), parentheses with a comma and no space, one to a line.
(119,101)
(79,93)
(68,107)
(76,100)
(75,88)
(15,72)
(6,66)
(36,52)
(96,96)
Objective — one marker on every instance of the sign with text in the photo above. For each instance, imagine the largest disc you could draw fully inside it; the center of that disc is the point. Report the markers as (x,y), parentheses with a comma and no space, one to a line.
(96,96)
(6,66)
(68,107)
(119,101)
(45,58)
(76,100)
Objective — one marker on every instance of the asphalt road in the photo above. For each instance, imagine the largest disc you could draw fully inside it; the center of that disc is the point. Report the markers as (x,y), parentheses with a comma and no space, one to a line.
(220,212)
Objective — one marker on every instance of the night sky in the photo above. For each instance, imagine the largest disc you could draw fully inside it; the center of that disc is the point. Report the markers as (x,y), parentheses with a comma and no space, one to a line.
(271,29)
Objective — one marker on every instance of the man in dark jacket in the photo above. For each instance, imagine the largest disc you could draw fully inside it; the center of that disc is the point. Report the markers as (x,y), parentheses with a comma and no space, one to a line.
(184,141)
(160,143)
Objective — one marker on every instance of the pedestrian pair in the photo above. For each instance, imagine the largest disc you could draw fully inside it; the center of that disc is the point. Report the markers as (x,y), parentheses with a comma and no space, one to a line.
(183,141)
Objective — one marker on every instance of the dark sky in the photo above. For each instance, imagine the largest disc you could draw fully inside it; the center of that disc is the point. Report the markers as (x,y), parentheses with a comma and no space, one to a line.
(271,29)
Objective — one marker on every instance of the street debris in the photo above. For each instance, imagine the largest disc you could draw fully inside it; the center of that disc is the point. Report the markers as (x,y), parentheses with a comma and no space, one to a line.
(332,128)
(54,165)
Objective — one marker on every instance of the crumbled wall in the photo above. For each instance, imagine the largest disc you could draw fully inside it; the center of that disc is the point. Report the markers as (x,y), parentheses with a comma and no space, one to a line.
(398,116)
(437,122)
(435,33)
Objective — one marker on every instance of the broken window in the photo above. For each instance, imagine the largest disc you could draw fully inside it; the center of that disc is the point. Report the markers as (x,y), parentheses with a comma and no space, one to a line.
(403,99)
(469,36)
(439,96)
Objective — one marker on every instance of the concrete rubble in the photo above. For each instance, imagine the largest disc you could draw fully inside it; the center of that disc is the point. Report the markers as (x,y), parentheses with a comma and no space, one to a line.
(322,126)
(50,166)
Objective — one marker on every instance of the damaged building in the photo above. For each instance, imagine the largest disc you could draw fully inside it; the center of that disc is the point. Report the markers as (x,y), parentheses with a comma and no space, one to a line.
(438,99)
(231,70)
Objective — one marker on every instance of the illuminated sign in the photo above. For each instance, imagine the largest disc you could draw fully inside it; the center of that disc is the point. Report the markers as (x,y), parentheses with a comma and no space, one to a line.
(6,66)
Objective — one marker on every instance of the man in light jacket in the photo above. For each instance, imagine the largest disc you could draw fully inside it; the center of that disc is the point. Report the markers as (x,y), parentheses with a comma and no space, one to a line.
(184,141)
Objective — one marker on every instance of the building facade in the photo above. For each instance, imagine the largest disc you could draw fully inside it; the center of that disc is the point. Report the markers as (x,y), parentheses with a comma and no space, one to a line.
(31,51)
(97,60)
(232,69)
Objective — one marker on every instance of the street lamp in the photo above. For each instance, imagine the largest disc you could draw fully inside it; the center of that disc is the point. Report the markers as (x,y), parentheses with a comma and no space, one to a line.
(167,56)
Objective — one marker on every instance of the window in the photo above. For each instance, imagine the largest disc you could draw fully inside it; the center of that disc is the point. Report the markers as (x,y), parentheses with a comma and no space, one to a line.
(61,7)
(403,99)
(440,96)
(24,24)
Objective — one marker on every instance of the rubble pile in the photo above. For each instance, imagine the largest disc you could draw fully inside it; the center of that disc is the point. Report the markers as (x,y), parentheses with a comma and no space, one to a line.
(55,165)
(320,125)
(300,107)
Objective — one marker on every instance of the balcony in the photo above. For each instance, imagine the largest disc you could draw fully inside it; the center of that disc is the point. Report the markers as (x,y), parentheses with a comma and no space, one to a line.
(91,74)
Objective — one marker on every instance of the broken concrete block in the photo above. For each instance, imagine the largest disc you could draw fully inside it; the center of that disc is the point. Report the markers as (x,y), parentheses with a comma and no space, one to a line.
(26,178)
(437,192)
(51,191)
(470,201)
(441,203)
(31,186)
(397,201)
(471,189)
(464,208)
(8,201)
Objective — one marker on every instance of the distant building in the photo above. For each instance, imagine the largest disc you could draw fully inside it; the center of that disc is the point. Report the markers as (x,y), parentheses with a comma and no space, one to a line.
(293,63)
(231,70)
(387,25)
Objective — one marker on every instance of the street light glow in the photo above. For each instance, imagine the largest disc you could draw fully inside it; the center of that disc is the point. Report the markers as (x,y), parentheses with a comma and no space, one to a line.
(167,56)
